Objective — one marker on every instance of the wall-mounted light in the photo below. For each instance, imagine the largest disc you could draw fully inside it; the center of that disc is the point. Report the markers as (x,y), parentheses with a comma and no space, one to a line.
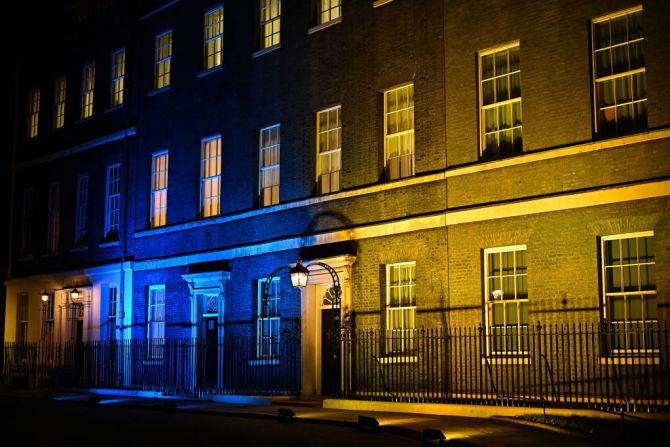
(75,294)
(299,275)
(44,295)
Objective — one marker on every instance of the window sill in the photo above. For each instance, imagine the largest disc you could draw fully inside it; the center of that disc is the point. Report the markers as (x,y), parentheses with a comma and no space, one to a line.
(508,360)
(267,50)
(317,28)
(153,362)
(204,73)
(264,362)
(84,120)
(112,109)
(392,360)
(378,3)
(79,249)
(632,358)
(108,244)
(159,90)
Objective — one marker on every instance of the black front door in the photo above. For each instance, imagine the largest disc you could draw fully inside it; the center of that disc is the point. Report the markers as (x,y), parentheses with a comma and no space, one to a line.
(330,353)
(211,348)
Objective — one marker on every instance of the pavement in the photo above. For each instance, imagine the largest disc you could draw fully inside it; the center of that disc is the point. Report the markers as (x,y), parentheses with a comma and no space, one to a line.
(416,428)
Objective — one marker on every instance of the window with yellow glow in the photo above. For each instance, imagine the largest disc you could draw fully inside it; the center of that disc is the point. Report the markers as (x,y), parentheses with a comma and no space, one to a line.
(506,300)
(329,150)
(629,290)
(33,112)
(60,90)
(270,23)
(163,60)
(269,166)
(619,73)
(159,186)
(118,77)
(329,10)
(210,176)
(87,90)
(399,132)
(213,38)
(500,102)
(400,307)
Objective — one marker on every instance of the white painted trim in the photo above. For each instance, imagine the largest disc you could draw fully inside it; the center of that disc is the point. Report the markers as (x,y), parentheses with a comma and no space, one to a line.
(325,25)
(562,202)
(128,132)
(259,53)
(159,9)
(378,3)
(519,160)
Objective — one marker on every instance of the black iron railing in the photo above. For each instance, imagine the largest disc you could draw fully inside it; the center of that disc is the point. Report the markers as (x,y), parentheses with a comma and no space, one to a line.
(182,367)
(570,365)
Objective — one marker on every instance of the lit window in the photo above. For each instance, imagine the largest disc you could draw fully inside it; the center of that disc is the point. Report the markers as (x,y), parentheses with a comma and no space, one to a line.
(59,102)
(210,176)
(629,289)
(81,217)
(112,310)
(53,217)
(112,202)
(118,77)
(400,307)
(159,185)
(506,300)
(27,222)
(214,38)
(33,112)
(163,60)
(48,319)
(618,62)
(269,169)
(87,90)
(399,132)
(267,320)
(156,320)
(329,150)
(329,10)
(270,22)
(500,102)
(22,318)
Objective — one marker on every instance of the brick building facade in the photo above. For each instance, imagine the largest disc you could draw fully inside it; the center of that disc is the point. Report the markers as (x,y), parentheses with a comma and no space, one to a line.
(499,164)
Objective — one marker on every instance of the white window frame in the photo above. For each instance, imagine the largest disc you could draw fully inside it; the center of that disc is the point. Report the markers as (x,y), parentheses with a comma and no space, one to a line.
(329,181)
(329,11)
(402,163)
(642,294)
(156,325)
(269,168)
(497,106)
(81,216)
(159,188)
(60,92)
(271,332)
(53,218)
(27,221)
(163,60)
(118,75)
(87,90)
(640,71)
(270,23)
(210,176)
(113,201)
(112,311)
(213,38)
(22,317)
(492,296)
(33,112)
(401,339)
